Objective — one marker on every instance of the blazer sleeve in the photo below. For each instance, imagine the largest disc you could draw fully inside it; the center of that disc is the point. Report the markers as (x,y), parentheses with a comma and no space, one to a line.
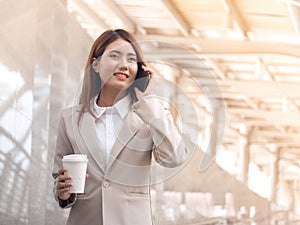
(169,148)
(63,147)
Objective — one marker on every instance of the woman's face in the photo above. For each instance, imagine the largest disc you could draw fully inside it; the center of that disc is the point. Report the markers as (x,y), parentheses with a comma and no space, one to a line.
(117,66)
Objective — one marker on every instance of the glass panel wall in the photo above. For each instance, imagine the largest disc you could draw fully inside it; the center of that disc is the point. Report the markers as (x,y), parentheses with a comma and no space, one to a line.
(42,53)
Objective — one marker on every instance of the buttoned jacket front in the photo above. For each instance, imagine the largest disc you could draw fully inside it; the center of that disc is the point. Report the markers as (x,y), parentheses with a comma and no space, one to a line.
(119,193)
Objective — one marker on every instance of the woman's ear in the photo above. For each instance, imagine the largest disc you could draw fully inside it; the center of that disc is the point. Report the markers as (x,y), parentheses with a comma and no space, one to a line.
(95,65)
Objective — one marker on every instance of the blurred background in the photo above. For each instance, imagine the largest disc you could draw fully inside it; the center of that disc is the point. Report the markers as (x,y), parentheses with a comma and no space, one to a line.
(237,61)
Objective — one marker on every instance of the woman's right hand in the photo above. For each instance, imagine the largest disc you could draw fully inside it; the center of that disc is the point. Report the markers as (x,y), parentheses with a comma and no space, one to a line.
(63,185)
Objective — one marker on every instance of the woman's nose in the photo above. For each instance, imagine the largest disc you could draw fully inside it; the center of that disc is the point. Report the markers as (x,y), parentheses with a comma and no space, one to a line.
(123,64)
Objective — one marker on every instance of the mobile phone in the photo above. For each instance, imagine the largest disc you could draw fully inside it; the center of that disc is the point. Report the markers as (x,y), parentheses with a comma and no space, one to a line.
(142,79)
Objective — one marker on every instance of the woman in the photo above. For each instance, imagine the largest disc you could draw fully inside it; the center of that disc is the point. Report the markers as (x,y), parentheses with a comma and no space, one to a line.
(119,128)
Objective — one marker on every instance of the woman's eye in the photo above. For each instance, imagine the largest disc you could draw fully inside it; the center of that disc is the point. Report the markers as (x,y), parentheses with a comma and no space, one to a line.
(132,59)
(114,56)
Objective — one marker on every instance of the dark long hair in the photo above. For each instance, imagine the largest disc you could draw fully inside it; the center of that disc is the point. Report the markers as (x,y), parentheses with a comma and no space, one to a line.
(91,81)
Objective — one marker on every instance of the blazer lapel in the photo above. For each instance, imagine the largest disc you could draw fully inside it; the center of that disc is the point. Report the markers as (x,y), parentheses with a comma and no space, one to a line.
(89,136)
(131,125)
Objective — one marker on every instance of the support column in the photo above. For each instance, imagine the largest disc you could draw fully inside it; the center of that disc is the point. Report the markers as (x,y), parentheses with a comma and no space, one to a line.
(275,175)
(296,197)
(213,133)
(245,153)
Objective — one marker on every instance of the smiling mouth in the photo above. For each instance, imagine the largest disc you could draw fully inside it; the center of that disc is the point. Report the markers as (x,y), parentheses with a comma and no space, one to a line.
(121,75)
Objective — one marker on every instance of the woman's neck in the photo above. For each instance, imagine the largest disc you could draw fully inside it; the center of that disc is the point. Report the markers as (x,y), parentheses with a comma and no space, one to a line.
(108,98)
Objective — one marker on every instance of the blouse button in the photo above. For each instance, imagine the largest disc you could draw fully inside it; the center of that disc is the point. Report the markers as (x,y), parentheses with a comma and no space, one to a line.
(105,184)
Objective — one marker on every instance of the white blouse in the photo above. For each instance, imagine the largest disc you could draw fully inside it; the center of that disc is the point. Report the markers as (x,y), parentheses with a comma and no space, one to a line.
(109,123)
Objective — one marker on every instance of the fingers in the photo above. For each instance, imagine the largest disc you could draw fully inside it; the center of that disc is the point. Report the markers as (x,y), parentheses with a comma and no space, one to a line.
(149,70)
(62,177)
(63,187)
(62,170)
(64,184)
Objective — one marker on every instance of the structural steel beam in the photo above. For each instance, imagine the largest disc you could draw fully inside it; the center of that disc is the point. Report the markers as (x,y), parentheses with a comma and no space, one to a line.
(217,47)
(177,18)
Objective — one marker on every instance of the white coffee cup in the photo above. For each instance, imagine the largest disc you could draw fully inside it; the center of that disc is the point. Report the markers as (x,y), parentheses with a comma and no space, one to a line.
(76,165)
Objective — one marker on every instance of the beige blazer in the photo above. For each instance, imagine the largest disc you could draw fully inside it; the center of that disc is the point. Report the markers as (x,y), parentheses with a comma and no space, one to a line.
(119,193)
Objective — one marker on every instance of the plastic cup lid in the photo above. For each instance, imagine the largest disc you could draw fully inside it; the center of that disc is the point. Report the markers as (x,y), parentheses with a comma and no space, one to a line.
(75,158)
